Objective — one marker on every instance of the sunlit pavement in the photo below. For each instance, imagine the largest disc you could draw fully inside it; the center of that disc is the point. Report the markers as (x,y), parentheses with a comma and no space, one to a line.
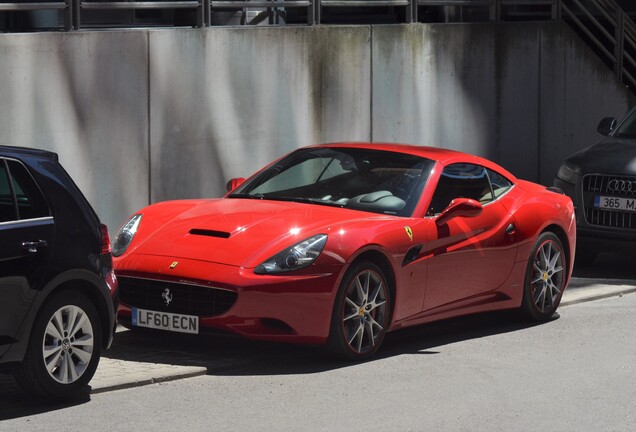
(140,359)
(132,363)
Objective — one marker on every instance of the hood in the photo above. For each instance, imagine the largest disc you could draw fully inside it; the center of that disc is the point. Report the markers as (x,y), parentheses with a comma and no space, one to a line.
(611,155)
(241,232)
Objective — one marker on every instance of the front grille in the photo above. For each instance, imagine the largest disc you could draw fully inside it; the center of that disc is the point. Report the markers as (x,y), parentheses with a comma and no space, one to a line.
(184,298)
(608,185)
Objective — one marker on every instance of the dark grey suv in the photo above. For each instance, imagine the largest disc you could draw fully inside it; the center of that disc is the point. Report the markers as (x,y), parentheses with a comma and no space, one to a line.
(601,180)
(58,292)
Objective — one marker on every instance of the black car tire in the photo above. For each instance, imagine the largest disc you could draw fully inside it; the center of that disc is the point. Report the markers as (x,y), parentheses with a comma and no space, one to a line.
(361,311)
(79,349)
(545,278)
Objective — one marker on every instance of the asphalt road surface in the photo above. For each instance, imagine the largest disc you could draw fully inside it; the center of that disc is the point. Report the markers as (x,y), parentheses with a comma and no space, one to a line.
(488,372)
(483,373)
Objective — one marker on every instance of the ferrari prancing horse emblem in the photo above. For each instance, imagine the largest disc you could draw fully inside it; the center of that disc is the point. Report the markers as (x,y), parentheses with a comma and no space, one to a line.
(174,264)
(409,232)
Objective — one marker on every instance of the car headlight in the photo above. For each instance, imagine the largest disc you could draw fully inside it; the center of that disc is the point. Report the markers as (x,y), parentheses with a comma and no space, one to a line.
(125,235)
(567,174)
(296,257)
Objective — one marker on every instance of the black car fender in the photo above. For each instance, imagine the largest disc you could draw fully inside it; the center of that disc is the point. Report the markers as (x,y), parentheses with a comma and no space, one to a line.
(90,284)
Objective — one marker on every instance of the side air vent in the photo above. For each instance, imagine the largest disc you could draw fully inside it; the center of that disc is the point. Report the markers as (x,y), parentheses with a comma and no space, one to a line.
(210,233)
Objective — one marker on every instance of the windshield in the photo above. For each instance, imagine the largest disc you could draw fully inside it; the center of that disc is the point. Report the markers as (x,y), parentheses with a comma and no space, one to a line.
(356,178)
(627,128)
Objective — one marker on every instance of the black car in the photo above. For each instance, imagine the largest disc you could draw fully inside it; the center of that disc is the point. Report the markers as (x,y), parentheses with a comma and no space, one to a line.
(58,292)
(601,180)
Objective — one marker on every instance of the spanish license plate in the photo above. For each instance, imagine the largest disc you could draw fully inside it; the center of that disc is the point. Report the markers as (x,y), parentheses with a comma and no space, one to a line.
(165,321)
(615,203)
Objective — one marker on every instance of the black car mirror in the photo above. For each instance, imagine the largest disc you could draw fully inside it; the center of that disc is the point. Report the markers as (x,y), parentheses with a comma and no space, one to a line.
(606,126)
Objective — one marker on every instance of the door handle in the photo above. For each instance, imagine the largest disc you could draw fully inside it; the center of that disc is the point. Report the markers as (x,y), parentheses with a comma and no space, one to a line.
(511,229)
(33,246)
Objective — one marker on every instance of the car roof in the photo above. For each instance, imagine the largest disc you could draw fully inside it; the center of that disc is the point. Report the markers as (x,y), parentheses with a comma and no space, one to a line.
(442,155)
(24,152)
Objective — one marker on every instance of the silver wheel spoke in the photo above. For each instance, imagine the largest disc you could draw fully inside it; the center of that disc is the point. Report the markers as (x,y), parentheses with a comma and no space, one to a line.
(50,350)
(84,356)
(53,331)
(72,369)
(80,322)
(52,363)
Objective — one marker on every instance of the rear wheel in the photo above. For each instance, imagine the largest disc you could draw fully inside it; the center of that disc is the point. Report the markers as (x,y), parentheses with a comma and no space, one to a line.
(64,347)
(545,278)
(361,313)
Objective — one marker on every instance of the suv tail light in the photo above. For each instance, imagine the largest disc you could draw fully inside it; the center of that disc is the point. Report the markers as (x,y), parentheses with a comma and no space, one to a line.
(103,229)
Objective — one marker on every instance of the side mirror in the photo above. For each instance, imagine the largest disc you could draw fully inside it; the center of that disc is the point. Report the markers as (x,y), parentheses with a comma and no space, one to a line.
(606,126)
(459,207)
(234,183)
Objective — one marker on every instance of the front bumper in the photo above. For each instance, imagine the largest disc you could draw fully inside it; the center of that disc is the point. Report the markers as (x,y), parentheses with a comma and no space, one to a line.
(595,236)
(295,307)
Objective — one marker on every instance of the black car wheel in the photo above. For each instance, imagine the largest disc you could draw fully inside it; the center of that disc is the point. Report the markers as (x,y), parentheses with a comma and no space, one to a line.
(545,278)
(361,312)
(64,347)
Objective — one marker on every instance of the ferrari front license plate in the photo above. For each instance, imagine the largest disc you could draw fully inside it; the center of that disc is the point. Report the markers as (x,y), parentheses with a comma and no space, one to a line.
(614,203)
(165,321)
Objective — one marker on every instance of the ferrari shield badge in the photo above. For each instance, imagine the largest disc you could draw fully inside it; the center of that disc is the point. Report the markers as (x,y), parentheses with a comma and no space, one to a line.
(409,232)
(174,264)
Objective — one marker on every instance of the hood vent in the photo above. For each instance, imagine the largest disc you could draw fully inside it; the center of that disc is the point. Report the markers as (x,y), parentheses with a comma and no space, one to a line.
(210,233)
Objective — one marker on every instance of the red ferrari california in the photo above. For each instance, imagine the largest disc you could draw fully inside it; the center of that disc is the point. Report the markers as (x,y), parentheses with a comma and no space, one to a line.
(339,244)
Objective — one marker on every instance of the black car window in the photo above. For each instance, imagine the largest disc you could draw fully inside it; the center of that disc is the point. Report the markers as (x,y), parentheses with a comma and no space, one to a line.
(500,184)
(7,203)
(628,128)
(460,181)
(31,203)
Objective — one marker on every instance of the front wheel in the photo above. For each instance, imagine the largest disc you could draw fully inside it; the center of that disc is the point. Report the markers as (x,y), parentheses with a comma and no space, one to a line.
(545,278)
(64,347)
(361,313)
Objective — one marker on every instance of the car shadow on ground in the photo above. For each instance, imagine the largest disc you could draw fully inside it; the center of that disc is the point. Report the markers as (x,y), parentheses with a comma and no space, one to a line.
(233,356)
(14,403)
(608,266)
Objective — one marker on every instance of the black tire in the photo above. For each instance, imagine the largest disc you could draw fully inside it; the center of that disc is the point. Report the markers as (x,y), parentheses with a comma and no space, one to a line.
(361,312)
(71,350)
(545,278)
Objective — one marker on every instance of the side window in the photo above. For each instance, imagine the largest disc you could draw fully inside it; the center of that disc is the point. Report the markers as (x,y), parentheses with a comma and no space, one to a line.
(7,204)
(460,181)
(31,203)
(500,184)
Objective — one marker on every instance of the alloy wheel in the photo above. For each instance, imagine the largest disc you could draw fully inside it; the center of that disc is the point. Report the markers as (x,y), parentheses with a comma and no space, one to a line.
(365,311)
(68,344)
(547,278)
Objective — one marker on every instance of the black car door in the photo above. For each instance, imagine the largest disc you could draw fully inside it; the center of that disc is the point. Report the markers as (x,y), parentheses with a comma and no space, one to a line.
(26,234)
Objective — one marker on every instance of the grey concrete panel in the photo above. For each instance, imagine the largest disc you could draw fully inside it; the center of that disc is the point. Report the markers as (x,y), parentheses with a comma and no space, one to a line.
(517,84)
(224,102)
(434,85)
(141,116)
(84,96)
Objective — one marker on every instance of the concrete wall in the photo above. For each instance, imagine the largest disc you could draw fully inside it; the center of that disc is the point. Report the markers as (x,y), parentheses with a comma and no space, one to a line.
(144,116)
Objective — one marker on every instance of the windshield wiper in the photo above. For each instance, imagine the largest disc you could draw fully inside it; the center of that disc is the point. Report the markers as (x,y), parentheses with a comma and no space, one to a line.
(246,195)
(307,201)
